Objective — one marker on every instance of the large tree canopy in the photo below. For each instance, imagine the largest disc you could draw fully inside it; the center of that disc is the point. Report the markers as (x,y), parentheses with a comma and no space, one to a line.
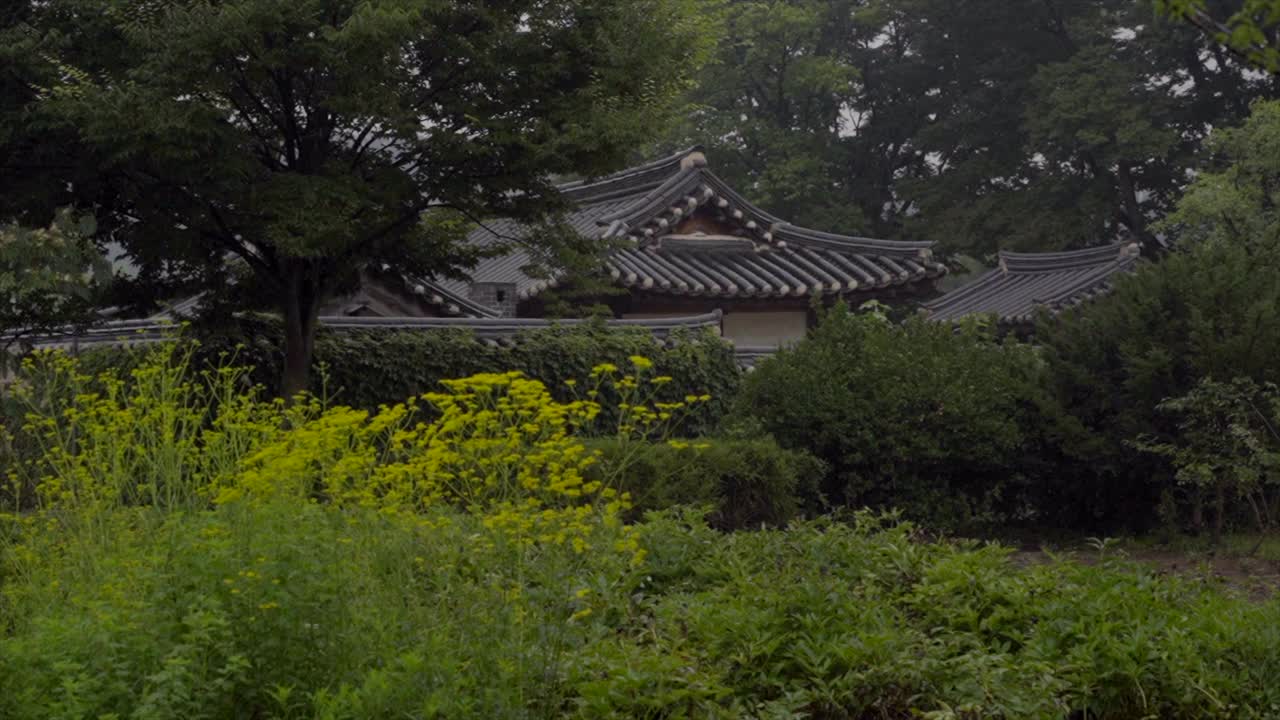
(306,138)
(979,123)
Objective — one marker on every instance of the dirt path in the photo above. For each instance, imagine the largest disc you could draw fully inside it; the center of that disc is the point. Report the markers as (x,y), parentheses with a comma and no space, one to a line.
(1258,578)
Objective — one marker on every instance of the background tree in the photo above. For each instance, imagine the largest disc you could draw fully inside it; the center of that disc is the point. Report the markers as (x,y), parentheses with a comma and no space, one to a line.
(1077,128)
(42,163)
(1060,125)
(771,104)
(1238,202)
(307,138)
(50,279)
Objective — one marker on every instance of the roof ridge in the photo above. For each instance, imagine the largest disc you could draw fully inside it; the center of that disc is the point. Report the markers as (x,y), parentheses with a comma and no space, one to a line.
(652,201)
(1065,259)
(632,180)
(680,193)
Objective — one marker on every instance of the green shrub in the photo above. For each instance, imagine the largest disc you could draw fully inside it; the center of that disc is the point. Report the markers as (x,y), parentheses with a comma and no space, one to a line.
(746,483)
(1226,454)
(294,610)
(920,416)
(1211,311)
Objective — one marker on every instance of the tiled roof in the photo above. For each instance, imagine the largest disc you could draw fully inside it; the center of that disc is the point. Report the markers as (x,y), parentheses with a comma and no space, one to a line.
(640,208)
(1025,282)
(162,327)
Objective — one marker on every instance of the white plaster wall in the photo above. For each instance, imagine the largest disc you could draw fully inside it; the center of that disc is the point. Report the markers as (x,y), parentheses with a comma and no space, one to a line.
(765,329)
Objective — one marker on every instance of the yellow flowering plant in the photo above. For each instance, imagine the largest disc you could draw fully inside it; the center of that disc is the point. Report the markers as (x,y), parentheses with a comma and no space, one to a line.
(161,439)
(499,447)
(157,435)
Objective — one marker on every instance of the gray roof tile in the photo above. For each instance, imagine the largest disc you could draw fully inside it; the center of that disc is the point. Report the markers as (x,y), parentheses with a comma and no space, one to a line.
(1027,282)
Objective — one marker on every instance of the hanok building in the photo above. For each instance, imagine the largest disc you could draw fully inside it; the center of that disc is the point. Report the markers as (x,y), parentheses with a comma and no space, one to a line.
(685,249)
(1027,284)
(681,243)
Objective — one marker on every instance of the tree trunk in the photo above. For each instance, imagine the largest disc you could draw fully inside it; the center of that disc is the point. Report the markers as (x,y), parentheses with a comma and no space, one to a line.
(1264,524)
(1132,211)
(1219,513)
(301,313)
(1197,511)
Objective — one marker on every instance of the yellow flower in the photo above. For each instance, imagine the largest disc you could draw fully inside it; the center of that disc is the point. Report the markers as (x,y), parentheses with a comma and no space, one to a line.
(640,362)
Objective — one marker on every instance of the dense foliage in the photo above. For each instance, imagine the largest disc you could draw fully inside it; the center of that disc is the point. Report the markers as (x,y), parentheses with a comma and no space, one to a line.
(1226,448)
(920,416)
(1248,28)
(744,482)
(1209,311)
(202,560)
(982,125)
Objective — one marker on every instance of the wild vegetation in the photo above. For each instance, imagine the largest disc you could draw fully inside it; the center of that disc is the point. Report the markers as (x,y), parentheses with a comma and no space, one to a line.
(196,551)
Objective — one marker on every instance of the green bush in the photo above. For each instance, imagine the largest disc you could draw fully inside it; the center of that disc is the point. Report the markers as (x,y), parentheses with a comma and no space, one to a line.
(1207,311)
(921,416)
(746,483)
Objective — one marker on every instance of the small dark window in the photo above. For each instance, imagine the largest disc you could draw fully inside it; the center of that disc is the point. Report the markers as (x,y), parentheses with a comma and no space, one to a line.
(502,296)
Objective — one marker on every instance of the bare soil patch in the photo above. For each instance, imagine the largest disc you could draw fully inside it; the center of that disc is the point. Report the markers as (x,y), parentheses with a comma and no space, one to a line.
(1257,578)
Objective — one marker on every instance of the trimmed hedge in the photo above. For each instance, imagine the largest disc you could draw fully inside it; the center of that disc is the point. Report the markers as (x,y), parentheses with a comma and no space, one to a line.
(368,368)
(746,483)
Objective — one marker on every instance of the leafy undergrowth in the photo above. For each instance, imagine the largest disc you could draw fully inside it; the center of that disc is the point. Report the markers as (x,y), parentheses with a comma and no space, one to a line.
(305,610)
(245,559)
